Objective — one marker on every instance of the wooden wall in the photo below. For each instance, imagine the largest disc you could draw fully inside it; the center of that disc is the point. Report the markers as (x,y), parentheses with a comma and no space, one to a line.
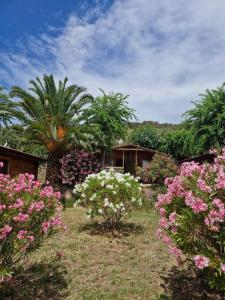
(19,165)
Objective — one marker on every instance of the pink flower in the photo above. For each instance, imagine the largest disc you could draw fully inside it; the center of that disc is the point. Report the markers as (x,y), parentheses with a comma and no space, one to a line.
(172,217)
(31,238)
(203,186)
(164,223)
(19,203)
(1,164)
(175,251)
(159,233)
(201,262)
(21,217)
(5,231)
(166,239)
(22,234)
(36,206)
(45,226)
(222,266)
(198,205)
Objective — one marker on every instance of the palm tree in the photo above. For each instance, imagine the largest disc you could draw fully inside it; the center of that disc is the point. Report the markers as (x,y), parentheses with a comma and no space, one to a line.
(52,116)
(4,104)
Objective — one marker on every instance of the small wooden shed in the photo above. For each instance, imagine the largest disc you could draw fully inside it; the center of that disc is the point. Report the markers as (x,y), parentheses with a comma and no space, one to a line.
(16,162)
(127,157)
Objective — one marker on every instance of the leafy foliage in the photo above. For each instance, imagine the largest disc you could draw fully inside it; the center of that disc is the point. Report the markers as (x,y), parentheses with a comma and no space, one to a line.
(193,217)
(109,195)
(51,116)
(26,218)
(13,136)
(207,118)
(158,169)
(180,144)
(110,113)
(4,105)
(76,166)
(146,136)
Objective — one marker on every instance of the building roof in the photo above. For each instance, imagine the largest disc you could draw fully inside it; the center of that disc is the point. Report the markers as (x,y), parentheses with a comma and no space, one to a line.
(17,153)
(209,157)
(132,147)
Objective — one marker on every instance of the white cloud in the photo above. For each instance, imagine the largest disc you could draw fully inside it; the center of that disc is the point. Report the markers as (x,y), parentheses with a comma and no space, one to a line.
(162,53)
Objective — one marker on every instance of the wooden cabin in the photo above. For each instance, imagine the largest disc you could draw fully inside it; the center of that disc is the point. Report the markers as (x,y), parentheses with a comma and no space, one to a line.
(206,157)
(126,158)
(16,162)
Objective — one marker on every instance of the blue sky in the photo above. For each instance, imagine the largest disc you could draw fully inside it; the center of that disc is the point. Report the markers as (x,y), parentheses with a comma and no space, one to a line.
(163,53)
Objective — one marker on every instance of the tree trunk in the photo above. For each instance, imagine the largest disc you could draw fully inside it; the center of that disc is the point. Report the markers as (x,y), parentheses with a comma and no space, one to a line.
(53,171)
(103,158)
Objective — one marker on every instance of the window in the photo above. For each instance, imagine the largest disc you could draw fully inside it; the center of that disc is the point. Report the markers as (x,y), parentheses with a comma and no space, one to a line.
(5,168)
(119,162)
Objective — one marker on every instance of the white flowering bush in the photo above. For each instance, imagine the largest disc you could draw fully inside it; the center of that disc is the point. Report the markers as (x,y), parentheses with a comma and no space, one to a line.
(110,195)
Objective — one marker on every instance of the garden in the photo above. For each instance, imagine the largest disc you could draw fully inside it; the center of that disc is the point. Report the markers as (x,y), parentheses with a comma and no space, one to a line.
(87,232)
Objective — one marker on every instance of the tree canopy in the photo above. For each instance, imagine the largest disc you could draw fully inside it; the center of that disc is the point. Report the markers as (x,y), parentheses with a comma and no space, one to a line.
(110,113)
(207,118)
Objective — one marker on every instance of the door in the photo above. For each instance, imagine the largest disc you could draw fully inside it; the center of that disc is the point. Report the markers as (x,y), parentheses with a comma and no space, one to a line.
(129,162)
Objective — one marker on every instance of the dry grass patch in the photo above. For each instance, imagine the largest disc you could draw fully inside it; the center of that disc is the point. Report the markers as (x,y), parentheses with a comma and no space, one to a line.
(89,263)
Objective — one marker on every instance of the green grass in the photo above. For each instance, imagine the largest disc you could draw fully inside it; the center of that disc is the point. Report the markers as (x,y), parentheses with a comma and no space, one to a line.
(88,263)
(98,265)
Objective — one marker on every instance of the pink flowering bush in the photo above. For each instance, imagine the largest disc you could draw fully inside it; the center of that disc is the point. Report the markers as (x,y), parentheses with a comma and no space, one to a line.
(76,166)
(192,217)
(28,215)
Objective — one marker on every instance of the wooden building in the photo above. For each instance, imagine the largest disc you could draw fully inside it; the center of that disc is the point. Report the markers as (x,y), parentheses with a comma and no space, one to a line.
(127,157)
(206,157)
(16,162)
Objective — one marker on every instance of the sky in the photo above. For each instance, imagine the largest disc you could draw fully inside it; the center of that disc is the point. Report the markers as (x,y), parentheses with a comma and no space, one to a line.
(162,53)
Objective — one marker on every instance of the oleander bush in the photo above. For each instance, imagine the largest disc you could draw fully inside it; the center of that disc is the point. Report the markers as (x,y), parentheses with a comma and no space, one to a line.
(161,167)
(109,195)
(192,217)
(28,215)
(76,166)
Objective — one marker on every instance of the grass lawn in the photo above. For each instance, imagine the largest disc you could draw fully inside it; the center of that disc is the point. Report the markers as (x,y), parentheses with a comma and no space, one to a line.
(87,263)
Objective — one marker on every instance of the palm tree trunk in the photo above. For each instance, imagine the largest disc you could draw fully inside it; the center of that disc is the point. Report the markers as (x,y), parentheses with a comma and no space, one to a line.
(53,171)
(103,158)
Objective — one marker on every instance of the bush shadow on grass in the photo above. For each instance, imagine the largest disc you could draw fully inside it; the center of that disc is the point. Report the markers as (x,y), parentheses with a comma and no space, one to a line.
(186,284)
(124,229)
(42,281)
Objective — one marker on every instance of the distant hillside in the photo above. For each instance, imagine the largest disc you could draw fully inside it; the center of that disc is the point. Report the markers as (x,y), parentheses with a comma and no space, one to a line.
(160,126)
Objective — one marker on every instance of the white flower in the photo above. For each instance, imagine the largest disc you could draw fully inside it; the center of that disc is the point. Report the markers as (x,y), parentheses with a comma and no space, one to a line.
(114,192)
(106,202)
(109,186)
(83,195)
(100,211)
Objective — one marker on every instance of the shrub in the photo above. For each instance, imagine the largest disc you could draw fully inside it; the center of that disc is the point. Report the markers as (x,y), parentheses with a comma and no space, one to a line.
(158,169)
(110,195)
(76,166)
(192,217)
(27,217)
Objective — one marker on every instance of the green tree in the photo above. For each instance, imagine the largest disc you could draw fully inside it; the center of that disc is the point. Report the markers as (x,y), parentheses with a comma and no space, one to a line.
(51,116)
(146,136)
(110,114)
(4,105)
(207,119)
(180,144)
